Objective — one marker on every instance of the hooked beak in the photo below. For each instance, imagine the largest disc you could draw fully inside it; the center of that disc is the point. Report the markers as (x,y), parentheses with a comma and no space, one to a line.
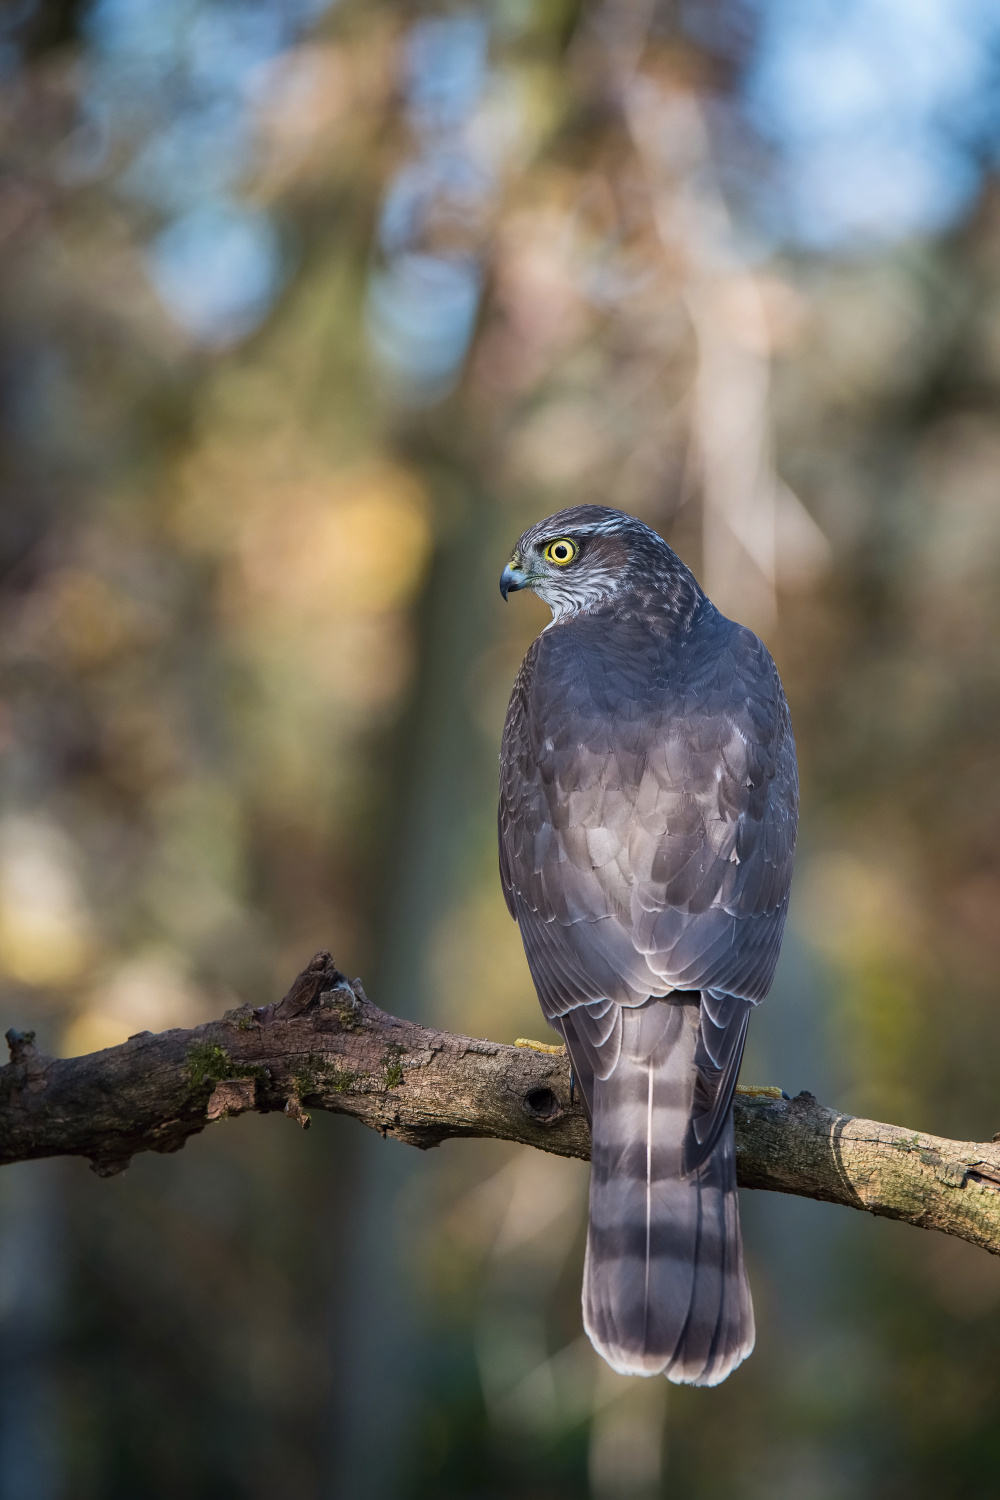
(512,579)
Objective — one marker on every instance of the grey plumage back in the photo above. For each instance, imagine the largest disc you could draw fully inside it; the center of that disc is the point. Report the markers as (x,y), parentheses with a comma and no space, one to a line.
(664,1288)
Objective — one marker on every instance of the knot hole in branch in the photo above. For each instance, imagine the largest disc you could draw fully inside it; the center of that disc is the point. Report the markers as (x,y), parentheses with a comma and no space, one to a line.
(543,1105)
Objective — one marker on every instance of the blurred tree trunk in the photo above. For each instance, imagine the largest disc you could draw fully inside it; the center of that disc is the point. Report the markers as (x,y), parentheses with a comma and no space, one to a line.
(440,796)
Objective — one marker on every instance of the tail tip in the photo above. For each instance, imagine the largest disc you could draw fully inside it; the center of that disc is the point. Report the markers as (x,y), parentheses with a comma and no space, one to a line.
(705,1373)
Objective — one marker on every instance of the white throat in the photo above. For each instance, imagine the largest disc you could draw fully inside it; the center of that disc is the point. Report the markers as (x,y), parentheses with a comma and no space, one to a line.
(569,595)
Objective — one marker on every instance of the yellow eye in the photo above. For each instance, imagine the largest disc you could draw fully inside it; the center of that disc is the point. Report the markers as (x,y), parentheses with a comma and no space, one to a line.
(561,552)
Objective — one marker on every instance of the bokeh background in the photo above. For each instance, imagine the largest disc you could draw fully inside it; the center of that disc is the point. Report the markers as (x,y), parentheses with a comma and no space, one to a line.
(306,310)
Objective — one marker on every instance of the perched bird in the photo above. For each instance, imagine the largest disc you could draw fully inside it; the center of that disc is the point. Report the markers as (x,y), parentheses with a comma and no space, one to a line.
(648,807)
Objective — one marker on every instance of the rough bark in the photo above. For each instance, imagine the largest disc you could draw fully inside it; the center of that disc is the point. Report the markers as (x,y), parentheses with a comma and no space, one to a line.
(325,1046)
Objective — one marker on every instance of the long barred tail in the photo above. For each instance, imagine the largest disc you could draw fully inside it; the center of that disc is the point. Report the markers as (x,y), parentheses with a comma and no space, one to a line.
(664,1288)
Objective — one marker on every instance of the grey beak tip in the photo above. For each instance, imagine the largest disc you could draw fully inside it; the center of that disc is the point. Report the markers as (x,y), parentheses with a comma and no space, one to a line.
(509,580)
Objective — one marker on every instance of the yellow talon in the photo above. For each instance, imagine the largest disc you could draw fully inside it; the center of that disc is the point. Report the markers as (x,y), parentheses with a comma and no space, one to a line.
(525,1041)
(768,1090)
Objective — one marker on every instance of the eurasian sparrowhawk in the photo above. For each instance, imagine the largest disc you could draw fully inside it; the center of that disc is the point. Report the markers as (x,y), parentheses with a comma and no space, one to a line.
(648,806)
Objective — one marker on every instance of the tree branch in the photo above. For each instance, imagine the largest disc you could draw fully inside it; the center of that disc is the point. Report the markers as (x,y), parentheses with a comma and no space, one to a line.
(326,1046)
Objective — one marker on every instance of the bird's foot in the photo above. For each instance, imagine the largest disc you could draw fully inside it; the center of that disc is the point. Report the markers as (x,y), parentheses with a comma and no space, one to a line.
(525,1041)
(761,1090)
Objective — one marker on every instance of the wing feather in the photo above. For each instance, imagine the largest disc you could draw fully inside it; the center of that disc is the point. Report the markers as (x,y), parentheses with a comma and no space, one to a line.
(647,810)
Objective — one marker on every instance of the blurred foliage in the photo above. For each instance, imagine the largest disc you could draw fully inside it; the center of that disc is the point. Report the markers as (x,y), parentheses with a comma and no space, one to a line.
(304,314)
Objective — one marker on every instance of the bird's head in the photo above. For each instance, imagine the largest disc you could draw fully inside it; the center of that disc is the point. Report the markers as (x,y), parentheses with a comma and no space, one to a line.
(584,556)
